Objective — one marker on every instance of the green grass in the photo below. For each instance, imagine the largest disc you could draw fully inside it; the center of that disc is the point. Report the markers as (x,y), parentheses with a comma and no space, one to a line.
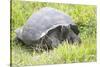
(84,16)
(86,52)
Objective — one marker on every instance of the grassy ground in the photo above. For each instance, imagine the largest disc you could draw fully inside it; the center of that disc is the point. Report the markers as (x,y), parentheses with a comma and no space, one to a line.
(84,17)
(63,54)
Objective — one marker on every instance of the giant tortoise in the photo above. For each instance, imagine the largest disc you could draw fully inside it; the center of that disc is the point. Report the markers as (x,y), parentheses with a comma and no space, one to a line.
(48,28)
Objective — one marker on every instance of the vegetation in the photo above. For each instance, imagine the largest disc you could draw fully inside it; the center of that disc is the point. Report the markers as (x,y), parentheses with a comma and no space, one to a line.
(83,15)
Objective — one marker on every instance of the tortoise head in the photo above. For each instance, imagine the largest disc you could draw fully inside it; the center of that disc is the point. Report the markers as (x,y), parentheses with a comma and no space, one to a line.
(73,38)
(71,34)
